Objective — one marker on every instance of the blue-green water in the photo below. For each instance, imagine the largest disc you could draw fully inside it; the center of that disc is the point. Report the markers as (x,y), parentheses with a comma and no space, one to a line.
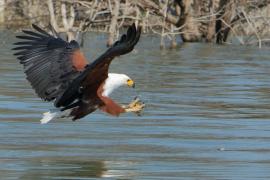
(207,117)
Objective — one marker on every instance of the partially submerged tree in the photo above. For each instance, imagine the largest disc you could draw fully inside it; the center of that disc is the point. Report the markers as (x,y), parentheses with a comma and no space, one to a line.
(192,20)
(67,17)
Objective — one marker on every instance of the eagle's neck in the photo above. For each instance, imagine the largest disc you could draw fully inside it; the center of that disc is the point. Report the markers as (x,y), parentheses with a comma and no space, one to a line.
(113,82)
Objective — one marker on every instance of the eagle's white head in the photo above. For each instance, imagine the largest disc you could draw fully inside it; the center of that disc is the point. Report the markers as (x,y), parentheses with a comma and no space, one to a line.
(114,81)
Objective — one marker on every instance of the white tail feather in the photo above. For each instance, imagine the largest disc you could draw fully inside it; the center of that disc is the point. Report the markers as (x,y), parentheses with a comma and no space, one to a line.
(55,114)
(48,116)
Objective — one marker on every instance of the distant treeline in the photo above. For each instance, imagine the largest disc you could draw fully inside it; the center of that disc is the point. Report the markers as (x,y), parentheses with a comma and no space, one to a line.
(216,21)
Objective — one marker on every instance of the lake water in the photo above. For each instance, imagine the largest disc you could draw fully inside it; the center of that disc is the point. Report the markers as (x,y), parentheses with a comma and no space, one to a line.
(207,117)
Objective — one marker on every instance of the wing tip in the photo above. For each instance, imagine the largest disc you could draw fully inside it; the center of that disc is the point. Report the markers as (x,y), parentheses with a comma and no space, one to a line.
(40,30)
(34,25)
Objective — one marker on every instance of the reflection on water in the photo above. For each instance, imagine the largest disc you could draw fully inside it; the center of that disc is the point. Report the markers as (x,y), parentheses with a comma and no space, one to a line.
(60,169)
(63,168)
(207,117)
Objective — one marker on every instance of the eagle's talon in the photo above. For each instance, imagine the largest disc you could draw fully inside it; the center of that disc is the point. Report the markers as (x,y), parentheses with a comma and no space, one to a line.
(135,107)
(134,102)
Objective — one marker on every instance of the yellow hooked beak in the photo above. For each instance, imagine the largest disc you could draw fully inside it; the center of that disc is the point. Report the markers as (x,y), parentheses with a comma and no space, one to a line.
(130,83)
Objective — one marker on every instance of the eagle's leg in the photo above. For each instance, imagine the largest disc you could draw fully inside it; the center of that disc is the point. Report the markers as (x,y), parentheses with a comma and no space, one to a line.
(136,106)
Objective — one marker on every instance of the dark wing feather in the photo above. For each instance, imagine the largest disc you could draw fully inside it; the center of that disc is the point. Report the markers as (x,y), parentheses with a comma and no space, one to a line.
(96,72)
(48,62)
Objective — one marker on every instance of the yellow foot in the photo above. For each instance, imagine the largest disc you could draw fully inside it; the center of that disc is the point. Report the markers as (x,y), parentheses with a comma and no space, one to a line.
(136,106)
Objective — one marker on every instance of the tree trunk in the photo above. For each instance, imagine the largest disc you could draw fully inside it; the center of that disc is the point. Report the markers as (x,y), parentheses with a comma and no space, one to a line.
(2,11)
(53,20)
(113,25)
(189,10)
(68,22)
(224,19)
(211,29)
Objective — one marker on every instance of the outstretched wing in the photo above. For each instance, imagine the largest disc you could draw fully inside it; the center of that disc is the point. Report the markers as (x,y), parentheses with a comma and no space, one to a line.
(97,72)
(50,63)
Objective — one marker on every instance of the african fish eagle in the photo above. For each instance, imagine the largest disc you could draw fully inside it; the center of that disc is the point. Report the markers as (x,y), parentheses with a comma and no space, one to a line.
(59,72)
